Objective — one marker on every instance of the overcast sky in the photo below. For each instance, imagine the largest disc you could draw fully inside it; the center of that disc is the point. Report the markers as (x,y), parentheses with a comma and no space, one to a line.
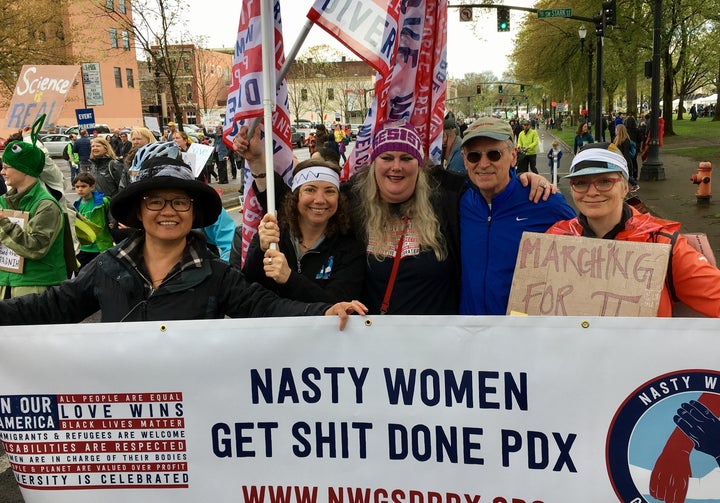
(482,50)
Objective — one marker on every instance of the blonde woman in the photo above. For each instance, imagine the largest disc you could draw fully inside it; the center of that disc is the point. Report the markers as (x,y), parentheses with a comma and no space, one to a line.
(105,167)
(408,225)
(139,137)
(623,142)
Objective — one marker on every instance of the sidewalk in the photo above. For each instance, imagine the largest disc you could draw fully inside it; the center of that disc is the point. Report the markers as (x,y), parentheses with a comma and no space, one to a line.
(673,198)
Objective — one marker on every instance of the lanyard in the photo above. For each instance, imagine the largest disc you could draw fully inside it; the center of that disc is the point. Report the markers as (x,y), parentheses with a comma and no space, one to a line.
(396,265)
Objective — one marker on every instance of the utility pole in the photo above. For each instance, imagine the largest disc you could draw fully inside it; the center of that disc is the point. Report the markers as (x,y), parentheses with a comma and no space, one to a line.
(652,168)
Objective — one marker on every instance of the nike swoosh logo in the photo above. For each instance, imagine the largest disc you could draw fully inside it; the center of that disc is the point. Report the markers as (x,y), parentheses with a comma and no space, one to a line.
(518,219)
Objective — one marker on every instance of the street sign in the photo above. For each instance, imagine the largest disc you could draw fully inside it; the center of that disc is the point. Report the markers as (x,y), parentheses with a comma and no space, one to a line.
(466,14)
(543,13)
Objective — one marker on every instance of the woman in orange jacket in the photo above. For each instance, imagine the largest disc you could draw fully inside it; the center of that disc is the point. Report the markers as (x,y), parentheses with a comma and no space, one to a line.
(599,182)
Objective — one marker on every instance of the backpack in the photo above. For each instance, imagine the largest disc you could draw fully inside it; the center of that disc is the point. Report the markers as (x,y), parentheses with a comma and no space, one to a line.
(66,155)
(633,149)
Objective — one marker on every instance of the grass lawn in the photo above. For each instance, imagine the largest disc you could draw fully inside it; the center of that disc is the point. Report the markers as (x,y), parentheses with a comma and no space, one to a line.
(698,140)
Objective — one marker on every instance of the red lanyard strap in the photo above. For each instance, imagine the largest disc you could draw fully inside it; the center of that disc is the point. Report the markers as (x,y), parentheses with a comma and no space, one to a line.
(393,273)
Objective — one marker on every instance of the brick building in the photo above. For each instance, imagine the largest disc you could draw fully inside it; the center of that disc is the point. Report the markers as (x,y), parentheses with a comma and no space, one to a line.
(202,80)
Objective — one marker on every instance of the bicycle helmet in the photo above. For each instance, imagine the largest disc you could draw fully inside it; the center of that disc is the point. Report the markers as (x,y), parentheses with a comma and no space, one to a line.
(156,149)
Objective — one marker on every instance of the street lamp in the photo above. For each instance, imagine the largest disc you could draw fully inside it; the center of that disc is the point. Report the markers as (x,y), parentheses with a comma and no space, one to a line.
(582,33)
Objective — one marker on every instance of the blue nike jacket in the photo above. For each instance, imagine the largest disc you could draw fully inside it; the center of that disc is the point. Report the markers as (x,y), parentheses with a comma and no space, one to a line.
(490,239)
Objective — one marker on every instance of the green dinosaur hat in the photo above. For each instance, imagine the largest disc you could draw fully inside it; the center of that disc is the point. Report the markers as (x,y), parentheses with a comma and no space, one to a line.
(26,157)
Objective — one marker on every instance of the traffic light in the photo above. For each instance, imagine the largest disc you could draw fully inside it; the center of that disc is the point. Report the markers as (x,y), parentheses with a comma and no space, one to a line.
(500,100)
(599,25)
(478,89)
(610,11)
(500,89)
(522,88)
(503,19)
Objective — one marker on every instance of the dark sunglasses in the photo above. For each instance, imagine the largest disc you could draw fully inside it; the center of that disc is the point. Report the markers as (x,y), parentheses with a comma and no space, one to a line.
(493,155)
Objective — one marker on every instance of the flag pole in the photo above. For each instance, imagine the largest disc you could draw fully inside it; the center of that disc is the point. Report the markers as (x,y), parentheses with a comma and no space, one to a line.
(268,57)
(295,49)
(286,65)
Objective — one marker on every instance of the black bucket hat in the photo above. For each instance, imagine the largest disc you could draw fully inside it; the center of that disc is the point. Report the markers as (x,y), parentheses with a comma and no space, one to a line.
(166,173)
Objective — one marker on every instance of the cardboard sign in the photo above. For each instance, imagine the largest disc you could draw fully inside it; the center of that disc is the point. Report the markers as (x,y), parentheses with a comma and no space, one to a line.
(196,157)
(9,260)
(575,276)
(40,89)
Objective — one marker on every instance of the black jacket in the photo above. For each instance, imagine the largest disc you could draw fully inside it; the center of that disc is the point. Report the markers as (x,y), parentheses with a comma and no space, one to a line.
(423,285)
(108,173)
(333,272)
(203,287)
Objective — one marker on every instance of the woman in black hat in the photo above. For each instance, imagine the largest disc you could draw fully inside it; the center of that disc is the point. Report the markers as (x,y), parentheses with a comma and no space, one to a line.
(165,271)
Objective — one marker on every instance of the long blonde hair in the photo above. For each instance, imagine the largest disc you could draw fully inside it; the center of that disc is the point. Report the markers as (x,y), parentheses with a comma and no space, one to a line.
(621,134)
(378,217)
(109,152)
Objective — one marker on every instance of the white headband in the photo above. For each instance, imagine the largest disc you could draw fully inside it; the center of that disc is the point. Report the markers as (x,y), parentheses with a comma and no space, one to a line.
(315,174)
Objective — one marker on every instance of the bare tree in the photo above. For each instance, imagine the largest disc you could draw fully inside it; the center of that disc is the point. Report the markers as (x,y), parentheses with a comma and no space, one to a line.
(209,79)
(158,28)
(319,72)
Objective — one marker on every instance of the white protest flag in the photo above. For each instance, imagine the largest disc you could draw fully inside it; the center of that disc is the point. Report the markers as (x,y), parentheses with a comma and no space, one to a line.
(366,27)
(415,88)
(245,103)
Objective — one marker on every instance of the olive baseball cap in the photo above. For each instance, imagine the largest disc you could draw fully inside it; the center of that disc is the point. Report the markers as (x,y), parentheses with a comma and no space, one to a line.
(489,127)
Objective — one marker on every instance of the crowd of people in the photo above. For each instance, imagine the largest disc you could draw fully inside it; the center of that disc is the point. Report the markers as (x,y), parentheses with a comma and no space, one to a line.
(402,236)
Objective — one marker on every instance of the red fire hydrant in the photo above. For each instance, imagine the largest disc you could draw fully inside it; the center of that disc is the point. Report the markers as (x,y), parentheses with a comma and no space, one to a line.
(702,179)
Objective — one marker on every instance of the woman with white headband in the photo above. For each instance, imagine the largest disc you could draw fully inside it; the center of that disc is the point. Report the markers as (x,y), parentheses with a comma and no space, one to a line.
(599,182)
(317,257)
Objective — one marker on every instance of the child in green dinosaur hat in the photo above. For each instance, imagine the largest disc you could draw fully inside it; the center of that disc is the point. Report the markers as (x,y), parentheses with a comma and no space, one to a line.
(40,241)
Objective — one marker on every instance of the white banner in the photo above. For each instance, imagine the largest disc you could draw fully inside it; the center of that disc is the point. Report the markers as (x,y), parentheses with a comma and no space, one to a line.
(394,409)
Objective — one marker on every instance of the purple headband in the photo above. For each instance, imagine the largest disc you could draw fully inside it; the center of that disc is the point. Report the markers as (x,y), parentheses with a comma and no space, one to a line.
(397,137)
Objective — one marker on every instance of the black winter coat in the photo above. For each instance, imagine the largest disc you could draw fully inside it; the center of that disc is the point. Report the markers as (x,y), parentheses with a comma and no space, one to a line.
(108,173)
(204,288)
(333,272)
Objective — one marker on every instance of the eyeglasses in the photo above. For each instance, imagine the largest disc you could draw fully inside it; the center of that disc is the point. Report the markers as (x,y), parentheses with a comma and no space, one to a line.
(602,185)
(492,155)
(157,203)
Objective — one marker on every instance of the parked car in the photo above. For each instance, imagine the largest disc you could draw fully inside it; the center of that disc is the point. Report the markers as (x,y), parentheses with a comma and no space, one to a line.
(304,124)
(101,129)
(55,143)
(297,137)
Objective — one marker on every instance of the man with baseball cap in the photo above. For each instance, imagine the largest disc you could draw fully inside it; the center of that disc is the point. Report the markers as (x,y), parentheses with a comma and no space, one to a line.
(494,212)
(40,240)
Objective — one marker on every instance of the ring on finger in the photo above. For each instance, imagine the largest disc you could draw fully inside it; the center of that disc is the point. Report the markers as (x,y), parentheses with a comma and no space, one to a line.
(270,260)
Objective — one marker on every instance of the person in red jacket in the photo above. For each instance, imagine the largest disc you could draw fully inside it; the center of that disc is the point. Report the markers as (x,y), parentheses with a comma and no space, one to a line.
(599,182)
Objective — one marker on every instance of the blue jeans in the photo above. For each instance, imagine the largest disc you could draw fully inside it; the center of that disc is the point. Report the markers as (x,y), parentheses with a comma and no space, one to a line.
(73,171)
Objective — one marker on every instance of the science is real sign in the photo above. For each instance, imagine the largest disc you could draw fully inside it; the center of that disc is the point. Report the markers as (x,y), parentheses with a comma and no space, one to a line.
(392,410)
(40,89)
